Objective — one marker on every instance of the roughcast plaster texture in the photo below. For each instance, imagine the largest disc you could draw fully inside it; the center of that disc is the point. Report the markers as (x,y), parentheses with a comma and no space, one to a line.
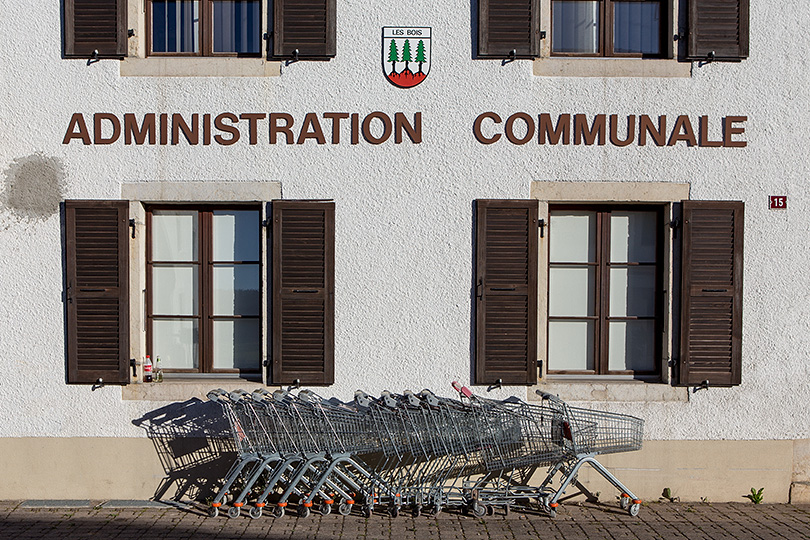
(404,237)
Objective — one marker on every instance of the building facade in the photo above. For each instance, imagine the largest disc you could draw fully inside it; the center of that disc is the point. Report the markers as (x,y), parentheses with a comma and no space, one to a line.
(594,198)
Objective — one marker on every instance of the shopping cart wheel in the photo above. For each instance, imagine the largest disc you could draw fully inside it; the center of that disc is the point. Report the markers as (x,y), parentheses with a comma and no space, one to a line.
(393,511)
(624,502)
(417,510)
(506,510)
(552,512)
(437,509)
(344,509)
(256,512)
(213,511)
(303,511)
(490,510)
(325,509)
(366,511)
(634,508)
(479,510)
(233,512)
(278,512)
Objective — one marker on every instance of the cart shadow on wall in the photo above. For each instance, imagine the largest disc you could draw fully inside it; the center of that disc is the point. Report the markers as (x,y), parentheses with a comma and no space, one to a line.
(194,444)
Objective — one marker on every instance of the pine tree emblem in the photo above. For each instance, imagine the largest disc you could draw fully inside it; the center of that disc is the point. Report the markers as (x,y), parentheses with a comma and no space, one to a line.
(398,55)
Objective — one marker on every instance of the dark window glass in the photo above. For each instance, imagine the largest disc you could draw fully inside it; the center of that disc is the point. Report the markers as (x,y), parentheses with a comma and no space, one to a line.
(608,27)
(205,27)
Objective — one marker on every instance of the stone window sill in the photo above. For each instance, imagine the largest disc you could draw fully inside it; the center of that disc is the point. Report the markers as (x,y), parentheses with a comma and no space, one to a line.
(593,390)
(611,67)
(199,67)
(187,388)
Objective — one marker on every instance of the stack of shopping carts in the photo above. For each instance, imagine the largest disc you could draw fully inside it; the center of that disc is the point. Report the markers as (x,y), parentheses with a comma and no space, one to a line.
(413,450)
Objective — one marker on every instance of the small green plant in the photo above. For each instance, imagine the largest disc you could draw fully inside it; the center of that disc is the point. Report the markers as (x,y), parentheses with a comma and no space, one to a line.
(756,496)
(666,495)
(704,500)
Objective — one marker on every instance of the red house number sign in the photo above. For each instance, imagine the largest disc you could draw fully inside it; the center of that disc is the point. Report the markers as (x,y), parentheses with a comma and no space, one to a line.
(777,202)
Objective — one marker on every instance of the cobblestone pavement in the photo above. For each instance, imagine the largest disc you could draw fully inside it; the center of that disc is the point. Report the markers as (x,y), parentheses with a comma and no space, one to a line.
(575,521)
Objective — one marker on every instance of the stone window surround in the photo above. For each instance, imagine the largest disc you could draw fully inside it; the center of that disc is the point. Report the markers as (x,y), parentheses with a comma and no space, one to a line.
(140,194)
(604,387)
(136,64)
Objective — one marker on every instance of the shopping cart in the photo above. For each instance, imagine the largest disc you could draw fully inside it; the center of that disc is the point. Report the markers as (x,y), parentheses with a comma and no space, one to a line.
(414,450)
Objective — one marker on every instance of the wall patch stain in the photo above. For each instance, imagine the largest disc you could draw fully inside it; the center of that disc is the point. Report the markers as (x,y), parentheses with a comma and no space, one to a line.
(33,187)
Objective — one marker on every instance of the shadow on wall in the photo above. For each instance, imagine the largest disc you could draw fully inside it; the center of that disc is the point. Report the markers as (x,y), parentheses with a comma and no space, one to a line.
(193,441)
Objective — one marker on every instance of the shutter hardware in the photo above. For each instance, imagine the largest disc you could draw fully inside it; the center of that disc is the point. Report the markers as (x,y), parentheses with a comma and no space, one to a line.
(674,224)
(498,384)
(542,224)
(132,224)
(702,386)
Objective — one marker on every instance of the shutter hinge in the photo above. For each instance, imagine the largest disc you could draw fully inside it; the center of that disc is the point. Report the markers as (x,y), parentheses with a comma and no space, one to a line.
(542,224)
(674,225)
(266,223)
(132,225)
(131,32)
(542,34)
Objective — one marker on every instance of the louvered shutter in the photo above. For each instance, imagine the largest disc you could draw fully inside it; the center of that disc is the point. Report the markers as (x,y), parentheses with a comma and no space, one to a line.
(95,25)
(97,280)
(306,26)
(303,292)
(711,305)
(508,25)
(718,30)
(506,292)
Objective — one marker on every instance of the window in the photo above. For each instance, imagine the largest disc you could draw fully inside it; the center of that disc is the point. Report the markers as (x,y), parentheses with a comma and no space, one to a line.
(609,27)
(193,284)
(604,312)
(203,289)
(715,30)
(204,27)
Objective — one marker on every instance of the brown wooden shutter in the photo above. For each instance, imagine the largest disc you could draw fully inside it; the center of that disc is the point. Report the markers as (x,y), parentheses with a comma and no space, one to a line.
(303,292)
(506,292)
(306,26)
(508,25)
(711,305)
(718,30)
(95,25)
(97,281)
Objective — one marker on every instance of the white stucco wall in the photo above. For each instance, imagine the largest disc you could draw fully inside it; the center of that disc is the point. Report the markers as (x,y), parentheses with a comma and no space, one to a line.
(404,212)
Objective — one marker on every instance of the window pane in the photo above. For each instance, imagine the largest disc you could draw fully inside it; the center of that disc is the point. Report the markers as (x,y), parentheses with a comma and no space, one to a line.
(237,344)
(236,26)
(570,345)
(571,292)
(236,235)
(632,291)
(636,27)
(176,342)
(576,26)
(174,290)
(632,236)
(174,235)
(632,346)
(236,289)
(572,235)
(175,26)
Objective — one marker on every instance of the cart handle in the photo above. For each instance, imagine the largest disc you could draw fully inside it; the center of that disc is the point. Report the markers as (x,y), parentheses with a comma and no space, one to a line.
(412,399)
(546,395)
(463,390)
(216,395)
